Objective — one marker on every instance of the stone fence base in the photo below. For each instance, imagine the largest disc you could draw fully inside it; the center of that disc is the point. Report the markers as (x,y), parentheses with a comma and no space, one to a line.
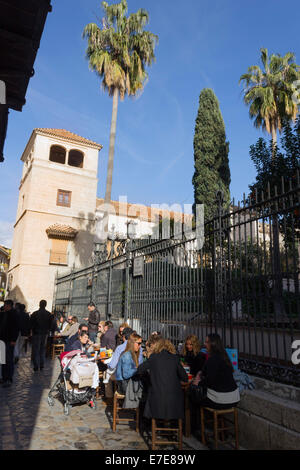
(269,417)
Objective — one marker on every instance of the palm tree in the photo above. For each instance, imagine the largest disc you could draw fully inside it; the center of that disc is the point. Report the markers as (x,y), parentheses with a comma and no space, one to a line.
(269,92)
(119,52)
(270,96)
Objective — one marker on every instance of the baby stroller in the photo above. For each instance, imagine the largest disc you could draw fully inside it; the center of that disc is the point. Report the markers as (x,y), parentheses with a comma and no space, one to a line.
(77,381)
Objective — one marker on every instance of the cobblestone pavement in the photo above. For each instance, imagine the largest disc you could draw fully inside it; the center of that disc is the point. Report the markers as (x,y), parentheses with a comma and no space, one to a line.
(27,422)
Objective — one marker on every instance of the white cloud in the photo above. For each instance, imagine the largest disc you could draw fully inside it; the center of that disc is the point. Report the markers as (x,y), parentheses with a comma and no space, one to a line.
(6,233)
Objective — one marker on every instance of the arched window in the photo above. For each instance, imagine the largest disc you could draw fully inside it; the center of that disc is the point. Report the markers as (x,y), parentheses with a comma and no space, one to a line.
(75,158)
(57,154)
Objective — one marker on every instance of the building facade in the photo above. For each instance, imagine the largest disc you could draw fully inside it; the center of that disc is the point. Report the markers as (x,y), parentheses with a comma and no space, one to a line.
(4,264)
(55,220)
(59,215)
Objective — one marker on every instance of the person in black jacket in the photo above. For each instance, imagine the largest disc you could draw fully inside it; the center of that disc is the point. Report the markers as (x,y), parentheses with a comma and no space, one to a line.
(165,398)
(217,376)
(41,322)
(93,321)
(9,332)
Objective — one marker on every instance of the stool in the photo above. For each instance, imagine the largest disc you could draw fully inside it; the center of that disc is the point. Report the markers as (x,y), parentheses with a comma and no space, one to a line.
(116,419)
(178,430)
(217,429)
(57,349)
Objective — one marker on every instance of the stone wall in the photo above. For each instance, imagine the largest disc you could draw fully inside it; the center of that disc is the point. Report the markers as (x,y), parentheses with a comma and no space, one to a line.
(269,417)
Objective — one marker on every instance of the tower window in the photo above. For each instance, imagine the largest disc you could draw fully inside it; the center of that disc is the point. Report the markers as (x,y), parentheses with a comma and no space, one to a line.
(57,154)
(63,198)
(75,158)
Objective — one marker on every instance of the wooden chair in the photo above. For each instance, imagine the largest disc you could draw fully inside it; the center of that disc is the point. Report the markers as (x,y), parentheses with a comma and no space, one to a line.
(220,429)
(57,349)
(168,429)
(116,418)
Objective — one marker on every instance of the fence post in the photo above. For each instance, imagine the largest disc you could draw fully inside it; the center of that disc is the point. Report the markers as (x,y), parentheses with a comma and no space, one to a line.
(109,304)
(127,281)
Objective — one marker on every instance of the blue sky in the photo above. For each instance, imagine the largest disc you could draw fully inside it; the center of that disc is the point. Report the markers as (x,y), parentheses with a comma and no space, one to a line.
(201,44)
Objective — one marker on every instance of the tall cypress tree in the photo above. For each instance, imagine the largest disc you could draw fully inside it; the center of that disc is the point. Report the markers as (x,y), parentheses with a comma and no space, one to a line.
(211,150)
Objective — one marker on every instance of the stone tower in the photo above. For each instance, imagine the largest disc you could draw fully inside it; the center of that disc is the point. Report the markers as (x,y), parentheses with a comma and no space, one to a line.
(55,222)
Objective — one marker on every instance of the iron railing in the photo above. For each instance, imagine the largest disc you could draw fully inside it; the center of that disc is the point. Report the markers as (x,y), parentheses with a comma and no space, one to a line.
(244,283)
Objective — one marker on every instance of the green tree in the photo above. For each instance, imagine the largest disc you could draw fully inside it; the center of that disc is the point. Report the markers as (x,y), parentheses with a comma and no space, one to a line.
(212,172)
(270,93)
(119,51)
(275,176)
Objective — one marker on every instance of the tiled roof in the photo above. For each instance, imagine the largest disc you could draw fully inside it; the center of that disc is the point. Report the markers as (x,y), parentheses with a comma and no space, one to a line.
(62,231)
(145,213)
(67,135)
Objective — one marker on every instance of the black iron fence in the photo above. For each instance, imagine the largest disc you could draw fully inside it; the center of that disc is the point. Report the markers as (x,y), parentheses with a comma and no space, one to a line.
(243,283)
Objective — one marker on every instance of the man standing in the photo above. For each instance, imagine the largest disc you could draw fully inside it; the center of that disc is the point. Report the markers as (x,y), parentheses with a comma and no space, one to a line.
(40,325)
(93,320)
(9,332)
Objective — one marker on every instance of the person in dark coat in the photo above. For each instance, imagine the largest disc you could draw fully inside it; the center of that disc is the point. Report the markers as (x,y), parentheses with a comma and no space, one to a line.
(108,340)
(9,332)
(41,322)
(165,398)
(93,321)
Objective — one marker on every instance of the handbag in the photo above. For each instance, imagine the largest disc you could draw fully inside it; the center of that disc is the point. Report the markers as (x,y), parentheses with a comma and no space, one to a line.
(197,393)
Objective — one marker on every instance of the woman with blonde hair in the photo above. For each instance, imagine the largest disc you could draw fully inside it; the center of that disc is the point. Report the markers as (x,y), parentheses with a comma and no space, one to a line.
(165,398)
(192,355)
(128,362)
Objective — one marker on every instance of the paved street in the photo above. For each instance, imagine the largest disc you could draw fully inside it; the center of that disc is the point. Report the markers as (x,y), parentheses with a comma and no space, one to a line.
(27,422)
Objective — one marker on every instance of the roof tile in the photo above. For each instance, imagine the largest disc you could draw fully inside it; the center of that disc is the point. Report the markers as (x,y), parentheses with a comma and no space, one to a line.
(67,135)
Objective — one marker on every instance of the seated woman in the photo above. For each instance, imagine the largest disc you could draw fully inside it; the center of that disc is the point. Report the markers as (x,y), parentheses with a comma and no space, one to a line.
(165,399)
(192,355)
(128,362)
(61,322)
(217,376)
(83,343)
(119,338)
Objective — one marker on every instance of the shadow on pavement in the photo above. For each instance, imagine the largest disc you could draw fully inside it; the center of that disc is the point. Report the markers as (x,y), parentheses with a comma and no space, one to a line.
(21,403)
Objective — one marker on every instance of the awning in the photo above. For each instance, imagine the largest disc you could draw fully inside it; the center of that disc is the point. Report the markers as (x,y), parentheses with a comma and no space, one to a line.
(21,27)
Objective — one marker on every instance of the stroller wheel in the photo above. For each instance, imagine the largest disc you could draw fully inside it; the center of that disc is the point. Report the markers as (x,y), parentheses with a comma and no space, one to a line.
(50,401)
(66,409)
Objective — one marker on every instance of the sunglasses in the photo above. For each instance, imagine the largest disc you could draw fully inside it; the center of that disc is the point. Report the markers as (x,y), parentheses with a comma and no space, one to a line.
(139,343)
